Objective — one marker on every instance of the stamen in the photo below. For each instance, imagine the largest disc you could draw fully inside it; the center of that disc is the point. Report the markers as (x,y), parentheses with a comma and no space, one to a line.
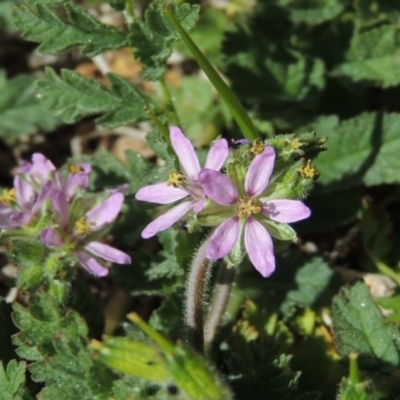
(82,227)
(257,147)
(176,179)
(248,206)
(74,169)
(308,171)
(295,144)
(8,196)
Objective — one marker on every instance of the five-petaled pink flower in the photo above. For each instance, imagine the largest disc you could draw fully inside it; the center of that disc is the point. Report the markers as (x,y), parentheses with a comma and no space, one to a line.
(80,236)
(250,215)
(182,184)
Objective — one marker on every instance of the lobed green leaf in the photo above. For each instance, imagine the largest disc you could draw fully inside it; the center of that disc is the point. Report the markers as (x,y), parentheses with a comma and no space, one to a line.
(152,38)
(20,112)
(12,380)
(359,327)
(362,150)
(60,26)
(72,97)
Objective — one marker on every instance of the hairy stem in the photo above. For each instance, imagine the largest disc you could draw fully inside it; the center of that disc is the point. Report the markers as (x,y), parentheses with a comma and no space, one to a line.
(218,304)
(197,282)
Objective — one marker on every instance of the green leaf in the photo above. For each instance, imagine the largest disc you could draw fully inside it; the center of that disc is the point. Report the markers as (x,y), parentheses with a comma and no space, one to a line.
(187,368)
(315,286)
(152,38)
(373,57)
(55,339)
(361,150)
(72,97)
(20,112)
(371,12)
(279,84)
(61,26)
(359,327)
(313,12)
(12,380)
(133,358)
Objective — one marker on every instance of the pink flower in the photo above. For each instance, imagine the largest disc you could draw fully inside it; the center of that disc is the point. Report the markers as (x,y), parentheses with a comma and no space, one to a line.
(81,236)
(250,215)
(182,184)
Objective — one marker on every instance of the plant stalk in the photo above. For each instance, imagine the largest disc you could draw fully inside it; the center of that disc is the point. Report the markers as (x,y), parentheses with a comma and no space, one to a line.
(197,283)
(218,304)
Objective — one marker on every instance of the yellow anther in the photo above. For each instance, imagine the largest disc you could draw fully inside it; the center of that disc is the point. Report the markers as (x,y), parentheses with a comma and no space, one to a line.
(82,227)
(308,171)
(257,147)
(176,179)
(295,144)
(248,206)
(74,169)
(8,196)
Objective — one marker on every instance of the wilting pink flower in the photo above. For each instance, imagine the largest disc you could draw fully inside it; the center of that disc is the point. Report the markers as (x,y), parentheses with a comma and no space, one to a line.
(249,214)
(81,235)
(20,204)
(182,184)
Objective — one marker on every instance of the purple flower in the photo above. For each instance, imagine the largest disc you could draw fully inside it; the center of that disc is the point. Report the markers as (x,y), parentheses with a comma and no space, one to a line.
(81,236)
(182,184)
(20,204)
(250,216)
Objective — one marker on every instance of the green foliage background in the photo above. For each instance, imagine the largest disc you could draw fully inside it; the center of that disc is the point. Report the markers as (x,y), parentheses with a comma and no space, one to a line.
(297,66)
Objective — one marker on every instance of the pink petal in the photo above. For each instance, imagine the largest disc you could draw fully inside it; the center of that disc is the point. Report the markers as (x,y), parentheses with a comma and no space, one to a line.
(259,172)
(25,193)
(185,152)
(51,237)
(167,219)
(45,192)
(286,210)
(20,218)
(259,247)
(61,206)
(199,206)
(41,167)
(91,264)
(218,187)
(105,212)
(24,168)
(160,193)
(108,253)
(217,155)
(223,239)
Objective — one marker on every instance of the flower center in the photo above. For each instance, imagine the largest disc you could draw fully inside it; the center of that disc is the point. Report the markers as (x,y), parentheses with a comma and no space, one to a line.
(8,196)
(248,206)
(83,227)
(176,179)
(74,169)
(308,171)
(257,147)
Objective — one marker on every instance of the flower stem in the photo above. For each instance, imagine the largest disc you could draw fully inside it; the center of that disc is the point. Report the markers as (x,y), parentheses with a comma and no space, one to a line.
(218,304)
(169,103)
(163,129)
(238,112)
(197,282)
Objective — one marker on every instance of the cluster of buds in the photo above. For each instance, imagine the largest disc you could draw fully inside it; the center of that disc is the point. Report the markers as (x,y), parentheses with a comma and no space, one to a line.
(45,205)
(256,197)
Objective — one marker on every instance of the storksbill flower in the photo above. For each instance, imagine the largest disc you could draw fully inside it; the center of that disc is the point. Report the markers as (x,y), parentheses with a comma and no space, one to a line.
(252,217)
(80,235)
(183,183)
